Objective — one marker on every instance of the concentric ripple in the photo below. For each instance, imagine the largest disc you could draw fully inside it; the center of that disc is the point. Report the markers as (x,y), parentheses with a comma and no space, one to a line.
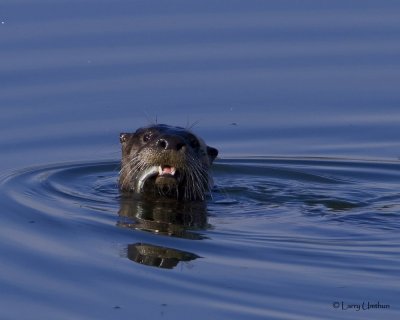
(355,192)
(359,192)
(65,186)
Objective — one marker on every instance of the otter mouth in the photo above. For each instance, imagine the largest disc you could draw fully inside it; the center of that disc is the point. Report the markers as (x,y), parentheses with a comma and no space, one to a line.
(162,176)
(166,171)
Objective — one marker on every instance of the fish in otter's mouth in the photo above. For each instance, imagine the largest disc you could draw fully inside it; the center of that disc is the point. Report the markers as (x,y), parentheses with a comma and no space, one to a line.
(166,160)
(163,174)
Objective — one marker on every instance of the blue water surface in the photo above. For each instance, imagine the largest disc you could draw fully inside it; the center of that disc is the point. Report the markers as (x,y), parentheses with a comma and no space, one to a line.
(300,97)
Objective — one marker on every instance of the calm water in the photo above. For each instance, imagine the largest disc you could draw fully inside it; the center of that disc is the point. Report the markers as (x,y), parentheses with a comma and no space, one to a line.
(301,98)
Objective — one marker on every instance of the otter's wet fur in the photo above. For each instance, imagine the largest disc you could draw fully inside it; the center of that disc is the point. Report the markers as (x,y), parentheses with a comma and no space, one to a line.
(166,161)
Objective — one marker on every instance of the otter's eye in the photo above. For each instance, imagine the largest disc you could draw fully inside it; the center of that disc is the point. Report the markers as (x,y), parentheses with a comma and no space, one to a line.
(194,143)
(146,137)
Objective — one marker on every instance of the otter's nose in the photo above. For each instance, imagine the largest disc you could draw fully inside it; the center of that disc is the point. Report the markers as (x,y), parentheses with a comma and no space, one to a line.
(170,143)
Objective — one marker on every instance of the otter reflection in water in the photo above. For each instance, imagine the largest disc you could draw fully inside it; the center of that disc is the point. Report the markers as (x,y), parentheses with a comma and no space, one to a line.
(166,217)
(166,161)
(156,256)
(163,216)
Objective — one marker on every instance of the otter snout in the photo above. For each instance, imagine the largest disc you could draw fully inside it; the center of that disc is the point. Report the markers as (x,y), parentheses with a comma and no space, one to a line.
(170,142)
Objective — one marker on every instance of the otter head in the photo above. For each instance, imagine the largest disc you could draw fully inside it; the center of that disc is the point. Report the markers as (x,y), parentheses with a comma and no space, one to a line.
(166,160)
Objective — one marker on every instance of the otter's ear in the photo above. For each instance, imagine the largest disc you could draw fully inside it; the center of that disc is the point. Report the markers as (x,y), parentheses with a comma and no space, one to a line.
(212,153)
(124,137)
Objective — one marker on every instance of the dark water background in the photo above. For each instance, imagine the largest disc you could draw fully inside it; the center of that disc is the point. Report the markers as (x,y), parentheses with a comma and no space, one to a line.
(300,97)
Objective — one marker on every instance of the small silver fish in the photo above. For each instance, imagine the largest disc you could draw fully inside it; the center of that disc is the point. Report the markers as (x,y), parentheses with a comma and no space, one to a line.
(151,171)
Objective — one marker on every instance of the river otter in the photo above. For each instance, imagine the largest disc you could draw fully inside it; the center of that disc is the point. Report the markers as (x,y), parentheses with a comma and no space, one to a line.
(166,160)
